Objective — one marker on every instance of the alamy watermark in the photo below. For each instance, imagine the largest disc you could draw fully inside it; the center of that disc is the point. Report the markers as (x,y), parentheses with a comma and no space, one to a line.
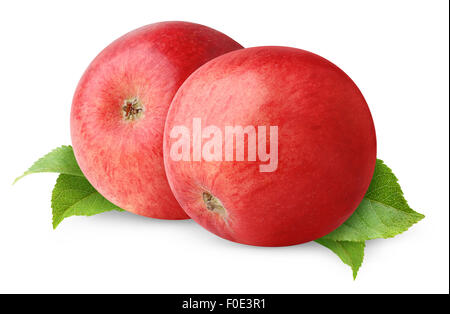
(220,144)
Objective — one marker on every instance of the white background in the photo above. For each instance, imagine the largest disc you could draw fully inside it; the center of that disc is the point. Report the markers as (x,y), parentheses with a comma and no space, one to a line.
(396,51)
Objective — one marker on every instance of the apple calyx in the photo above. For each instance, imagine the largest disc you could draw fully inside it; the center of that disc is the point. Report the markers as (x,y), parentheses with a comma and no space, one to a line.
(214,204)
(132,109)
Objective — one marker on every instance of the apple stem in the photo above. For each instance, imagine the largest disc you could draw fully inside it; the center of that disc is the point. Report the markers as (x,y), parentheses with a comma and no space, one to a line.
(214,204)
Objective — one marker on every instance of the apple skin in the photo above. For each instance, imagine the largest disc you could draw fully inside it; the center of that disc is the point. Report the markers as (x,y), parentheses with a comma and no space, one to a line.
(118,149)
(327,146)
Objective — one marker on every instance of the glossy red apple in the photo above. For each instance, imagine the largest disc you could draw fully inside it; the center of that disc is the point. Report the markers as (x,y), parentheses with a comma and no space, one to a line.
(326,146)
(120,106)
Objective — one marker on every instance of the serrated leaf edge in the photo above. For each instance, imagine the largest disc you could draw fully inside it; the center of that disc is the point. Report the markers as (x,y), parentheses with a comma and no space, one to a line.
(54,196)
(355,268)
(28,172)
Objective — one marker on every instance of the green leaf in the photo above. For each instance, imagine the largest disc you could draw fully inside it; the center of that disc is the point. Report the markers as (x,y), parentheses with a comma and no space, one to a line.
(75,196)
(383,213)
(351,253)
(60,160)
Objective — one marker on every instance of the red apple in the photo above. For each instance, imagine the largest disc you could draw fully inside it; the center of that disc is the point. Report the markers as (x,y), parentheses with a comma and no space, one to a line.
(326,146)
(120,106)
